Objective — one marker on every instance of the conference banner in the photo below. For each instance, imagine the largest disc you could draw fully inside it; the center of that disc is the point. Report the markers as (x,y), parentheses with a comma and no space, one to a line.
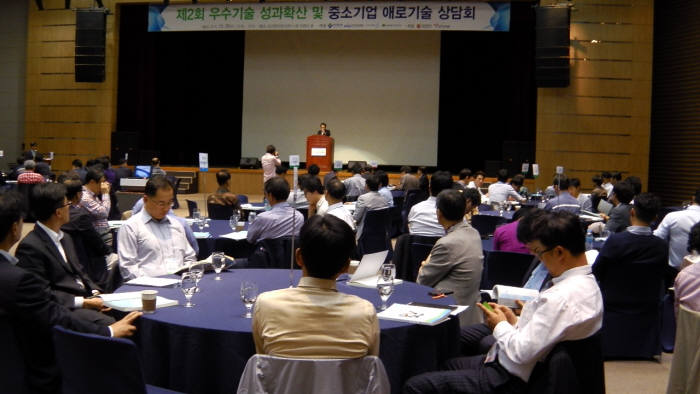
(481,16)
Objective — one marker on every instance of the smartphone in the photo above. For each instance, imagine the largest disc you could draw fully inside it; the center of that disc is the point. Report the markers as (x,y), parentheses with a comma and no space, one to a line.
(437,292)
(487,306)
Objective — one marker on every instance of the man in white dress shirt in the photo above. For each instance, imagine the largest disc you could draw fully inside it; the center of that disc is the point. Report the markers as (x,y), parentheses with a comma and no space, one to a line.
(570,310)
(422,219)
(675,228)
(500,191)
(313,191)
(151,243)
(335,191)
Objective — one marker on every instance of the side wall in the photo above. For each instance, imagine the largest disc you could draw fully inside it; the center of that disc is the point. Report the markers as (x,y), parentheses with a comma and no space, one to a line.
(602,120)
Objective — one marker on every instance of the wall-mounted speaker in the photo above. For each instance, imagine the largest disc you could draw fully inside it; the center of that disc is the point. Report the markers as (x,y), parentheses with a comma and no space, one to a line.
(552,46)
(90,45)
(250,162)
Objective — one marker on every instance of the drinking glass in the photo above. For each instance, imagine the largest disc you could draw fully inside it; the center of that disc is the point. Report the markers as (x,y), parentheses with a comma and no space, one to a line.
(233,221)
(251,217)
(388,272)
(385,288)
(198,272)
(188,284)
(218,261)
(604,235)
(249,293)
(196,216)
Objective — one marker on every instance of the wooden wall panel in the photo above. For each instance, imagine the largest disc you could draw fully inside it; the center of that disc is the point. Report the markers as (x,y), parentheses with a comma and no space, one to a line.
(601,121)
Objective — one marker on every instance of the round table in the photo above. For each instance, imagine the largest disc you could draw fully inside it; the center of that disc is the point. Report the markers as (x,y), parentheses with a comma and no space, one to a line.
(204,349)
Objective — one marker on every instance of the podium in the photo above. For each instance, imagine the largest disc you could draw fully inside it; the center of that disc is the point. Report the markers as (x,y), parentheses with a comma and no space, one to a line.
(319,151)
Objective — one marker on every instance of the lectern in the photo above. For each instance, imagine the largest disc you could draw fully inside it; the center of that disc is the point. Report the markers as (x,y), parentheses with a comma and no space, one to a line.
(319,151)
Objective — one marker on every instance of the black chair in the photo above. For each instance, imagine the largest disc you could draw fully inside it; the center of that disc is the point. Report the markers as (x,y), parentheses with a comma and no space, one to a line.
(176,188)
(409,252)
(633,310)
(668,325)
(396,218)
(233,248)
(505,268)
(571,367)
(92,363)
(411,198)
(26,190)
(11,362)
(375,233)
(219,212)
(191,206)
(272,253)
(304,212)
(242,199)
(486,224)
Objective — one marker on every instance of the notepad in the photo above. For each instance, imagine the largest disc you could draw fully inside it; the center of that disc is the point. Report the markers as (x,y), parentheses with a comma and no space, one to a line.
(135,303)
(238,235)
(507,295)
(424,315)
(153,281)
(367,272)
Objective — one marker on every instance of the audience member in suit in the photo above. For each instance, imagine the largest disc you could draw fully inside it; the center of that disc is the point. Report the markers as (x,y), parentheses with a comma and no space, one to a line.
(78,168)
(422,219)
(155,168)
(619,217)
(277,222)
(33,153)
(456,260)
(564,200)
(223,195)
(49,253)
(505,238)
(501,191)
(29,176)
(465,176)
(314,194)
(369,201)
(42,168)
(355,185)
(636,183)
(19,168)
(329,175)
(408,181)
(121,171)
(335,192)
(383,187)
(90,249)
(635,250)
(314,319)
(571,309)
(151,242)
(30,308)
(323,130)
(687,284)
(97,202)
(675,228)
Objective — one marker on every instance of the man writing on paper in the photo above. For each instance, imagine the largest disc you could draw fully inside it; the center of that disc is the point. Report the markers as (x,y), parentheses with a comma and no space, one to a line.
(456,260)
(151,242)
(302,322)
(571,309)
(30,308)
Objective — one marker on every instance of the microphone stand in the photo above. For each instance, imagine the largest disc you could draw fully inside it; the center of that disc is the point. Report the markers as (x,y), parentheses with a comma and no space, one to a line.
(294,216)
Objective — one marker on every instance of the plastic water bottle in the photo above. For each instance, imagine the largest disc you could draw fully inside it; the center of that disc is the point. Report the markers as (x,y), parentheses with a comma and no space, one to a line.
(589,240)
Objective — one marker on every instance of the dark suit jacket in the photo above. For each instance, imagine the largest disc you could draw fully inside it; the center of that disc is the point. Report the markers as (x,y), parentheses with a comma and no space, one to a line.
(619,218)
(327,133)
(30,310)
(37,254)
(90,249)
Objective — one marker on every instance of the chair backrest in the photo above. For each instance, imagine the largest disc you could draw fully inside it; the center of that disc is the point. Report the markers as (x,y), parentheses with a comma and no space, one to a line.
(219,212)
(411,198)
(571,367)
(89,361)
(176,187)
(409,252)
(685,367)
(191,206)
(26,190)
(269,374)
(272,253)
(505,268)
(486,224)
(375,232)
(304,212)
(234,248)
(242,199)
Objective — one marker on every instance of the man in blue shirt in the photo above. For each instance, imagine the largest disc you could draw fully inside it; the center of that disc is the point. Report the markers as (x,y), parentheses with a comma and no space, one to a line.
(564,200)
(277,222)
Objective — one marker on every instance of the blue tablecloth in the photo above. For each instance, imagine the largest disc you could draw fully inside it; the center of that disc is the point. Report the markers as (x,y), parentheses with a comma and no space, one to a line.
(204,349)
(216,229)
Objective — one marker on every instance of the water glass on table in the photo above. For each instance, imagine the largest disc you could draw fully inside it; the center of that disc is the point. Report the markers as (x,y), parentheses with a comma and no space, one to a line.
(233,221)
(218,261)
(249,293)
(188,284)
(198,272)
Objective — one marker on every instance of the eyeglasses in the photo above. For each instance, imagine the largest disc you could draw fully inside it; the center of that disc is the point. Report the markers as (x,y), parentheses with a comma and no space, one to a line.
(540,253)
(163,204)
(65,204)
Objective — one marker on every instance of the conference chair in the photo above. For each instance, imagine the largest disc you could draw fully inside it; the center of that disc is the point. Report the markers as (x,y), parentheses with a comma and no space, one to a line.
(409,251)
(571,367)
(272,253)
(242,199)
(668,324)
(505,268)
(234,248)
(219,212)
(685,366)
(304,212)
(375,232)
(26,190)
(191,206)
(11,361)
(396,218)
(176,188)
(486,224)
(92,363)
(411,198)
(277,375)
(633,307)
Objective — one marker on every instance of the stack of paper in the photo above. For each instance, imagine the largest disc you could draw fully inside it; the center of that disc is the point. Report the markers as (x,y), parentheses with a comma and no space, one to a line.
(428,316)
(152,281)
(131,301)
(238,236)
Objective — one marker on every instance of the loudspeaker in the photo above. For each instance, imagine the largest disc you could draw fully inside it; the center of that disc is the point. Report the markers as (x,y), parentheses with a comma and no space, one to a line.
(352,163)
(90,45)
(552,46)
(124,142)
(250,162)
